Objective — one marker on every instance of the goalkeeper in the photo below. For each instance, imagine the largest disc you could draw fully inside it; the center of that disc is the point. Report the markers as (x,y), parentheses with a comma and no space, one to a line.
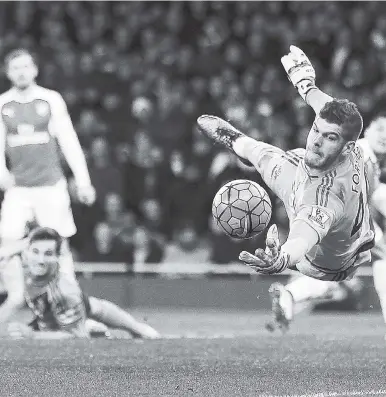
(305,291)
(324,187)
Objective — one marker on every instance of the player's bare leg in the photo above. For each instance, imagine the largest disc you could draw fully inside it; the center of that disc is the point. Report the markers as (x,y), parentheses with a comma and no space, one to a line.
(113,316)
(66,260)
(13,280)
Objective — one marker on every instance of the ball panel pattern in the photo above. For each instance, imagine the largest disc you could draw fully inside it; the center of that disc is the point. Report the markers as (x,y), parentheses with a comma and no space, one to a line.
(242,209)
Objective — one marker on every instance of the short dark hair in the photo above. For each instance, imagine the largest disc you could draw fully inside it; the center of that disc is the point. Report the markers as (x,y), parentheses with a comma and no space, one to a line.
(18,53)
(46,233)
(345,114)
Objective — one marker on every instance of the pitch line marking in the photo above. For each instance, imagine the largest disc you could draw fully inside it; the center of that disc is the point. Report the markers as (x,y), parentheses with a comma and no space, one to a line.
(332,394)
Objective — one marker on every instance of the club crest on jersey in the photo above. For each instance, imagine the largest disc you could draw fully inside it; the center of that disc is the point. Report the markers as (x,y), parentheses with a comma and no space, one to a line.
(42,109)
(319,217)
(8,112)
(25,129)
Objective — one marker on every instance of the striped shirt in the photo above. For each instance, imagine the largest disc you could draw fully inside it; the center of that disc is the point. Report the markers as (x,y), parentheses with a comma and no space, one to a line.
(58,305)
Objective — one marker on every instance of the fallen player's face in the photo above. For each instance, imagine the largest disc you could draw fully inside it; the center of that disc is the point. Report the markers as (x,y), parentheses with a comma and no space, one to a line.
(22,71)
(324,144)
(40,256)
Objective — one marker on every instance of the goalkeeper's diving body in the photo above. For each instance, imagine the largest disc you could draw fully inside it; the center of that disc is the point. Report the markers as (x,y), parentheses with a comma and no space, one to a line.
(324,188)
(55,297)
(302,292)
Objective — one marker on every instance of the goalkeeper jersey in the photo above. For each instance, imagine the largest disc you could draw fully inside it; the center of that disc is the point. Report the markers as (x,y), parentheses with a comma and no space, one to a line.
(335,205)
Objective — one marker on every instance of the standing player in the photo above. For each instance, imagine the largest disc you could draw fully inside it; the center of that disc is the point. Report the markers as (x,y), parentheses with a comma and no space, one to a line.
(324,193)
(34,125)
(55,297)
(303,290)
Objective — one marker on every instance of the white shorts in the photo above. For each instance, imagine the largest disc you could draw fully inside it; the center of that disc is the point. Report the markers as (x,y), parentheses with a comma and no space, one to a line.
(49,206)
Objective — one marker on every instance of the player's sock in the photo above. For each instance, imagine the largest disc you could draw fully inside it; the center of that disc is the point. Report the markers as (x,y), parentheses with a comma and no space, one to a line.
(241,144)
(306,288)
(115,317)
(379,275)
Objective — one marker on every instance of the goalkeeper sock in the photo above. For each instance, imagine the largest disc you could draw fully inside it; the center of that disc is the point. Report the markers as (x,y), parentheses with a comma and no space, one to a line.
(241,146)
(114,317)
(306,288)
(379,275)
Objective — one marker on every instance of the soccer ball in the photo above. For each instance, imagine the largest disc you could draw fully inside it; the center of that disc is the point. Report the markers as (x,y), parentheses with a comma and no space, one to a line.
(242,209)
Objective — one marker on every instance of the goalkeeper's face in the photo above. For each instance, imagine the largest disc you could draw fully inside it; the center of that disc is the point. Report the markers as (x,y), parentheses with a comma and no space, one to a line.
(325,145)
(41,257)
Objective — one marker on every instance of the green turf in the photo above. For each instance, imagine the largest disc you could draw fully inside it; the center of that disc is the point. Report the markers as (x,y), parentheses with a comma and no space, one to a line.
(221,354)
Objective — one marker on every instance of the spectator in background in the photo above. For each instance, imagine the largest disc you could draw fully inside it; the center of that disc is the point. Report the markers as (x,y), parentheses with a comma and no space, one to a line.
(187,248)
(108,247)
(148,248)
(187,201)
(152,216)
(142,170)
(104,173)
(173,61)
(113,237)
(89,126)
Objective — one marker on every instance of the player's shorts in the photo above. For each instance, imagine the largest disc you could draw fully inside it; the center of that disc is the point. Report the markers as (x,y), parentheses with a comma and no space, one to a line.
(363,257)
(49,206)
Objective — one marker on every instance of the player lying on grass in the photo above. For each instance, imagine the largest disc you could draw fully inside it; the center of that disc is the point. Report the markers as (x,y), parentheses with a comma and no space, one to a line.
(55,298)
(303,290)
(325,193)
(35,129)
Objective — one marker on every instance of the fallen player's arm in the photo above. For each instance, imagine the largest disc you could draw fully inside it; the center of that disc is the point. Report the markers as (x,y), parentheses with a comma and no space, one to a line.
(79,330)
(69,142)
(302,237)
(76,331)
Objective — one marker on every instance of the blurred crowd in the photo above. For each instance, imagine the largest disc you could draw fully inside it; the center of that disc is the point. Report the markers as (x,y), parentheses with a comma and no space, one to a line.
(135,76)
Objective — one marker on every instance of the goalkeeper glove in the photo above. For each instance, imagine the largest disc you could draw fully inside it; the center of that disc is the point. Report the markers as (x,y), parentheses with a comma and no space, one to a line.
(300,71)
(271,261)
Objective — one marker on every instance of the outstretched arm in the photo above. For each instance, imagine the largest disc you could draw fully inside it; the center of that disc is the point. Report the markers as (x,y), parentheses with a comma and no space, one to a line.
(302,75)
(316,98)
(311,225)
(302,237)
(275,259)
(69,144)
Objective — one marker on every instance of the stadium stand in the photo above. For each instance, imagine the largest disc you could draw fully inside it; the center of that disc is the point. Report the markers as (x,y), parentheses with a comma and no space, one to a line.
(135,87)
